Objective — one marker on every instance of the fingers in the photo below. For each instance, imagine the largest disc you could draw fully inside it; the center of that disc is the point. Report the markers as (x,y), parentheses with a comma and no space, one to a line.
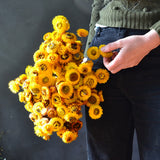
(106,61)
(115,70)
(113,64)
(112,46)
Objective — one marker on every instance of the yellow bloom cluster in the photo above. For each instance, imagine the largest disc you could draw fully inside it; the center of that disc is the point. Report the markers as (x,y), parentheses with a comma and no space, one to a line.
(95,52)
(59,83)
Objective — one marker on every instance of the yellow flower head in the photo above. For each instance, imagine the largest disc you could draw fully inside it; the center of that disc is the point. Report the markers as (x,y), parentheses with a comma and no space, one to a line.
(21,96)
(29,106)
(85,68)
(21,79)
(52,89)
(47,128)
(28,95)
(56,70)
(51,112)
(80,83)
(43,65)
(43,45)
(37,108)
(65,89)
(94,99)
(79,42)
(46,137)
(69,136)
(83,92)
(102,75)
(71,117)
(44,112)
(90,80)
(60,132)
(45,79)
(95,111)
(57,123)
(72,76)
(25,85)
(35,88)
(34,71)
(101,96)
(72,99)
(41,121)
(56,36)
(36,98)
(56,99)
(53,58)
(39,55)
(65,58)
(69,37)
(52,47)
(62,49)
(62,110)
(68,125)
(38,131)
(60,24)
(27,70)
(77,125)
(14,86)
(47,103)
(45,93)
(33,117)
(47,36)
(33,74)
(74,108)
(105,54)
(71,65)
(93,53)
(73,48)
(78,57)
(79,115)
(59,80)
(82,32)
(94,91)
(90,63)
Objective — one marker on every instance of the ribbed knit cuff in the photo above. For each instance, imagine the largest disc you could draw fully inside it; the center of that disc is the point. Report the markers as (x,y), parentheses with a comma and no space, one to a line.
(156,27)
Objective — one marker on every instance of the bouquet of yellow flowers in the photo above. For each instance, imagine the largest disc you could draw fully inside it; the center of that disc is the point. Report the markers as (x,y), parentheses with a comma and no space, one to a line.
(59,83)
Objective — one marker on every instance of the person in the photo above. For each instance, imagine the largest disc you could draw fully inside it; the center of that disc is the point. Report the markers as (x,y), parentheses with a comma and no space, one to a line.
(130,28)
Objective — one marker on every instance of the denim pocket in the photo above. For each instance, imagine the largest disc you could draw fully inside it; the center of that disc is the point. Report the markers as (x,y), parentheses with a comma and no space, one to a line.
(94,40)
(102,36)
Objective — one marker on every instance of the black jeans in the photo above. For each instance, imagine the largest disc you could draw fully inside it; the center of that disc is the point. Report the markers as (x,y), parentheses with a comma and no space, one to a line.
(131,101)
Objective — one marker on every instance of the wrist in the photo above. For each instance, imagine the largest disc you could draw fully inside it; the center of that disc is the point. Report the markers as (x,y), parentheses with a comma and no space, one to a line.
(152,39)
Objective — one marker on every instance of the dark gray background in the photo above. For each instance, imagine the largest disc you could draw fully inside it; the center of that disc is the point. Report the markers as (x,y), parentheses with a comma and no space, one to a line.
(22,25)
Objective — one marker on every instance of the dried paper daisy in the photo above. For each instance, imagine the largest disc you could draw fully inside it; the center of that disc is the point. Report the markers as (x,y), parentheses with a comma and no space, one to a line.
(59,83)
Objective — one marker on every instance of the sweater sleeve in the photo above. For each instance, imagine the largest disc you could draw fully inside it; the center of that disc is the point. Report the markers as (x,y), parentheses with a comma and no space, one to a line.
(156,27)
(96,7)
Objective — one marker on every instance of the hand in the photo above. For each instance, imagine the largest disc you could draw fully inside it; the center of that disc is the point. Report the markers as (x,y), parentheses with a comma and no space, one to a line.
(132,50)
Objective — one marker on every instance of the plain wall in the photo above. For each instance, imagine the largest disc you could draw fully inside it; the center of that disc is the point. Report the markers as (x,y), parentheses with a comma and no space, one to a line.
(22,26)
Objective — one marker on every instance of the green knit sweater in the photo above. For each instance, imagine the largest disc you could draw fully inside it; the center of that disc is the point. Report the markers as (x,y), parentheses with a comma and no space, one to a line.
(134,14)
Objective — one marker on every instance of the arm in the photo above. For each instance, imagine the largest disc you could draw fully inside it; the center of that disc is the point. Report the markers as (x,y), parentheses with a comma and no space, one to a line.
(132,50)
